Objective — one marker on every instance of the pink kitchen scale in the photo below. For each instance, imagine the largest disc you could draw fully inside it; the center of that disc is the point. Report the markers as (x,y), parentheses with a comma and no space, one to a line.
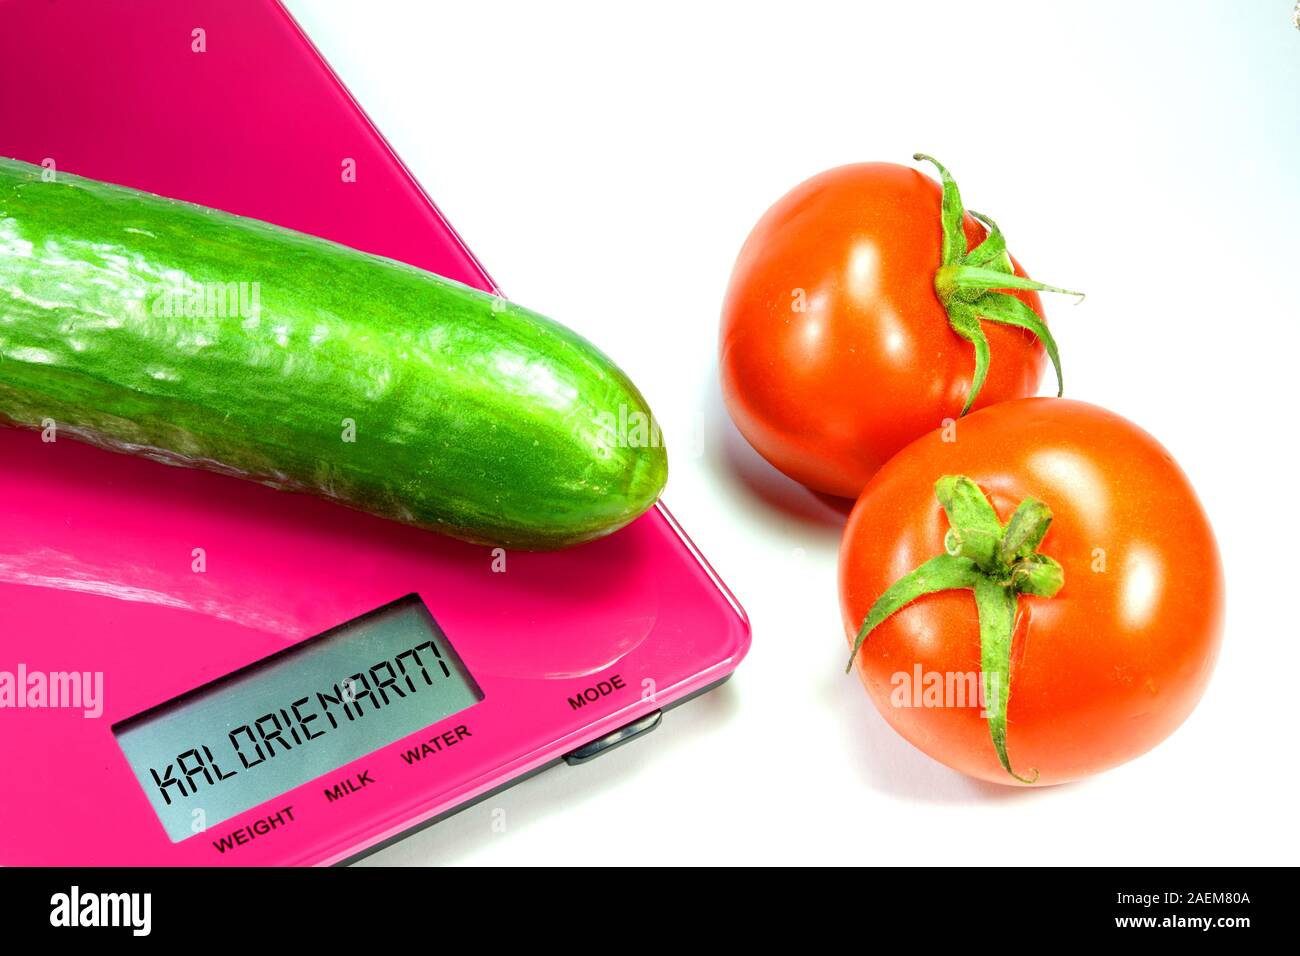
(235,675)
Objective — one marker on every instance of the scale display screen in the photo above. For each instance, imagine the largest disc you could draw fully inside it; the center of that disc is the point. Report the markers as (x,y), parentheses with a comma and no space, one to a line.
(227,746)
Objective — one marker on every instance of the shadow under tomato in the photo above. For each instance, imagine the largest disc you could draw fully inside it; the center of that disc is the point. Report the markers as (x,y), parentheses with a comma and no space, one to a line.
(734,460)
(891,765)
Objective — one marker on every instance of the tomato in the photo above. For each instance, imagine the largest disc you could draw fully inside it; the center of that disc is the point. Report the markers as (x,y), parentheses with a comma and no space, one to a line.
(836,350)
(1099,672)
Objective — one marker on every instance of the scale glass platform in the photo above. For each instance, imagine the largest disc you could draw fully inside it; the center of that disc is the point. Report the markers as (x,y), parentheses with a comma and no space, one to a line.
(244,676)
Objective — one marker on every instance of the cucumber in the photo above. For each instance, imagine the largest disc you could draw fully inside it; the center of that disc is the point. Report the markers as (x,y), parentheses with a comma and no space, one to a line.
(199,338)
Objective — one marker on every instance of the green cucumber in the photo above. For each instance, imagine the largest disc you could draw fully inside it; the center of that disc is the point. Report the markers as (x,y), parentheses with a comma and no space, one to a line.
(199,338)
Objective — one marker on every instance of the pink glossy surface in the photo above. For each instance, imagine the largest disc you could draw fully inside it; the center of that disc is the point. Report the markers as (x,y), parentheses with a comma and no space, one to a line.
(96,549)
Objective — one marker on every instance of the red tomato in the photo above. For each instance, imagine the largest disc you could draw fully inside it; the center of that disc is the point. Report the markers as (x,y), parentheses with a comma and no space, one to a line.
(835,349)
(1100,672)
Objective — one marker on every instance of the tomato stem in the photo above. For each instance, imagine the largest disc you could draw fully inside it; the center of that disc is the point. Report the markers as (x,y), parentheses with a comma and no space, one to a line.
(972,281)
(972,285)
(996,562)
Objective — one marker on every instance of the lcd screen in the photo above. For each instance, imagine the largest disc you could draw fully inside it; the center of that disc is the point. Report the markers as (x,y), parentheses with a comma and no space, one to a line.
(303,712)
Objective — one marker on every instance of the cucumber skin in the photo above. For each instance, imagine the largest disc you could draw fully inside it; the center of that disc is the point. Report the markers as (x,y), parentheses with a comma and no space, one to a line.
(473,416)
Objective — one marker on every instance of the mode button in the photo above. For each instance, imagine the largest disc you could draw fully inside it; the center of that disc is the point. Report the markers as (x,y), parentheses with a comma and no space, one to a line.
(615,738)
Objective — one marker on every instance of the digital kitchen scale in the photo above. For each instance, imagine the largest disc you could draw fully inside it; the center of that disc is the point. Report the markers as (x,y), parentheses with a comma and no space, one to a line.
(200,670)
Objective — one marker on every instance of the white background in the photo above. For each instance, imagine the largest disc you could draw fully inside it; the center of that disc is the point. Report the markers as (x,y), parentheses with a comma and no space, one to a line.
(605,162)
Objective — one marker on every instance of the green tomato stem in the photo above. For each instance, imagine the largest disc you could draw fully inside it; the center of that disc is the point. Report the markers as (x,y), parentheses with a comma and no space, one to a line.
(998,563)
(971,285)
